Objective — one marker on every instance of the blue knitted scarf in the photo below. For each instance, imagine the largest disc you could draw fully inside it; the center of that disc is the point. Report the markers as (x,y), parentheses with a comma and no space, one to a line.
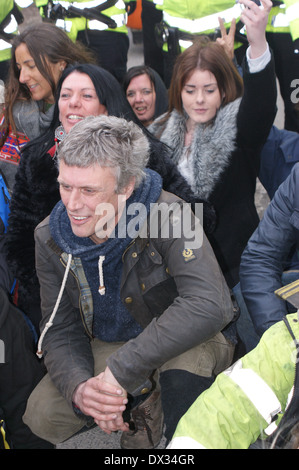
(111,321)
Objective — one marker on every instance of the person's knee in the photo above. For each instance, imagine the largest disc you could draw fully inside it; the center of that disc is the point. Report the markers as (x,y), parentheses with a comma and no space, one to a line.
(50,417)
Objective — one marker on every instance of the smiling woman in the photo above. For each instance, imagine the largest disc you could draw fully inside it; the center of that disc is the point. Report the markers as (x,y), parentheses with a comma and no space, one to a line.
(39,56)
(78,99)
(146,93)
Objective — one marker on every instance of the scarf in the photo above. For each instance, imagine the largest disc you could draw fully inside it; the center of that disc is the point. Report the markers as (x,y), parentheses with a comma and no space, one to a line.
(30,119)
(111,320)
(210,150)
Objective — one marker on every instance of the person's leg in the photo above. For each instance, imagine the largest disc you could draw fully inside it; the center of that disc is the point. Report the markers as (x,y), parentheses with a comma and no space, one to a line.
(49,415)
(20,372)
(153,56)
(185,377)
(110,48)
(245,328)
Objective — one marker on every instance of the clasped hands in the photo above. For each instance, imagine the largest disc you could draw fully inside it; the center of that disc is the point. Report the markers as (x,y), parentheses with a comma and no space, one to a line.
(102,398)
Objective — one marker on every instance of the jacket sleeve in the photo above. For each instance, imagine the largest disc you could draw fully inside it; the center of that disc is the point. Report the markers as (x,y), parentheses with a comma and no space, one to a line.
(66,347)
(267,251)
(201,308)
(243,401)
(258,107)
(279,154)
(34,195)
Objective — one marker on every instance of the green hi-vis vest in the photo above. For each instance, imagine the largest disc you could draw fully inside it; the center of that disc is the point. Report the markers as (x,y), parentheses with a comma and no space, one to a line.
(196,16)
(73,25)
(6,6)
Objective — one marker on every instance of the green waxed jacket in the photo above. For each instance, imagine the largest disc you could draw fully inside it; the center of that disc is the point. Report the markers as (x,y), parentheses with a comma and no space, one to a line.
(178,296)
(245,400)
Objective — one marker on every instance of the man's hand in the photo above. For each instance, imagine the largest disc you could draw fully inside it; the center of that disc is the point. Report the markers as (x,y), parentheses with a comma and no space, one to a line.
(104,399)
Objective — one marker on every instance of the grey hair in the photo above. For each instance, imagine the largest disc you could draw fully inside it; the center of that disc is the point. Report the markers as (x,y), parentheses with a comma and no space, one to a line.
(107,141)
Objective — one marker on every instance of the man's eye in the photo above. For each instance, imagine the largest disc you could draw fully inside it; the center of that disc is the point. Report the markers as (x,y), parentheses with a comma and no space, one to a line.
(88,191)
(65,187)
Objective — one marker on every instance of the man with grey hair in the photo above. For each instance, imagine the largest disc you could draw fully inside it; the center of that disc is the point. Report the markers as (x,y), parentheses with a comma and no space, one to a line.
(140,325)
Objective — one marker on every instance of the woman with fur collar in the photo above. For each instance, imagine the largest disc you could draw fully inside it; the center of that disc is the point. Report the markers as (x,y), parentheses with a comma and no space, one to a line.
(36,189)
(217,125)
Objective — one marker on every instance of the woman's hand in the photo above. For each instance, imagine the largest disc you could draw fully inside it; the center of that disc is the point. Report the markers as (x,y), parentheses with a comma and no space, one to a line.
(255,19)
(227,41)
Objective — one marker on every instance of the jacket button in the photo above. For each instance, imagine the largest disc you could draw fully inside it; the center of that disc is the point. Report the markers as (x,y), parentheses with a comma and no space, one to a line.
(134,255)
(128,300)
(152,253)
(144,390)
(142,286)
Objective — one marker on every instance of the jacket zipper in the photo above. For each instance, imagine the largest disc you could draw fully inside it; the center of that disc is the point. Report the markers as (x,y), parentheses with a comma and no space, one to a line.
(81,313)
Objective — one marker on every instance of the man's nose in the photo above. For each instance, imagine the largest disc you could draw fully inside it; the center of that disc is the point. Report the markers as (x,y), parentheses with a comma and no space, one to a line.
(74,199)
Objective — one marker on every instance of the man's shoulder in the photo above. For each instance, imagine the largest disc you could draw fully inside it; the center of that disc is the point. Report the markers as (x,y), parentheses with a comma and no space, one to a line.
(43,227)
(168,198)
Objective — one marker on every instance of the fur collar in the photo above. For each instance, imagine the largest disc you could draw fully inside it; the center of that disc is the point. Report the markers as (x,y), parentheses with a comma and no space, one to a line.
(211,148)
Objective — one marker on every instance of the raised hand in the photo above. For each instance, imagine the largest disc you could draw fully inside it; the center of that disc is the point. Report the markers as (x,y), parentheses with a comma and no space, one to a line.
(255,19)
(227,40)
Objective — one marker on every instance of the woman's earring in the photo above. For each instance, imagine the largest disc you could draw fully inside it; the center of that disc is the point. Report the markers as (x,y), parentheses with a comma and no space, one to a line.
(59,135)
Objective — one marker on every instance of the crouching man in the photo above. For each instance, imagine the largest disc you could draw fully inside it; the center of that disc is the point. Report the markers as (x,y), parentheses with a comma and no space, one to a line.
(132,317)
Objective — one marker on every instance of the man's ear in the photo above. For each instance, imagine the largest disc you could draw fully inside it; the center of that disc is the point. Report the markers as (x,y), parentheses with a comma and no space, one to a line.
(130,188)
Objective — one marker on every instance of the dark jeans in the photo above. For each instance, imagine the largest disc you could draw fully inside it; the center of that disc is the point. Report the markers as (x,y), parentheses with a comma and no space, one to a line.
(179,389)
(20,372)
(110,48)
(4,67)
(153,56)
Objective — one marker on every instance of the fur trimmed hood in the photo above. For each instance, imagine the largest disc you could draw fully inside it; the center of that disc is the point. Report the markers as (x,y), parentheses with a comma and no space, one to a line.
(211,148)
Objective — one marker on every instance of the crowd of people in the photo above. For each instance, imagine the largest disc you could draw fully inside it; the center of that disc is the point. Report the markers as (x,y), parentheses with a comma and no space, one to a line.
(191,332)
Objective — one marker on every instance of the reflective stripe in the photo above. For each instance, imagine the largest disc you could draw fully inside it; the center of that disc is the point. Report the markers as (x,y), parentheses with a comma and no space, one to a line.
(93,3)
(65,25)
(82,5)
(202,24)
(185,44)
(280,21)
(4,45)
(23,3)
(256,389)
(95,24)
(184,442)
(292,12)
(12,27)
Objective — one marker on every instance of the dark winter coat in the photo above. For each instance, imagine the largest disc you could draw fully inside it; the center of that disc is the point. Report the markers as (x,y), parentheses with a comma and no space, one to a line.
(226,158)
